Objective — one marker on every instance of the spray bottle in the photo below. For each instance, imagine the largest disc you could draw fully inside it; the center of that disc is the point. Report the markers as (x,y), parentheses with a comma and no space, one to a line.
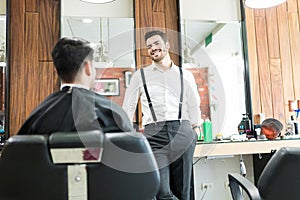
(244,126)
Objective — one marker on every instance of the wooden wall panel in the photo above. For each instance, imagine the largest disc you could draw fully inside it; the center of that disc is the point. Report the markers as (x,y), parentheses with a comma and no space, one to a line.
(274,41)
(253,72)
(285,57)
(272,31)
(55,35)
(298,10)
(47,68)
(158,6)
(32,5)
(292,6)
(264,69)
(295,50)
(172,17)
(277,89)
(31,59)
(34,29)
(145,23)
(16,65)
(47,29)
(274,63)
(159,24)
(150,14)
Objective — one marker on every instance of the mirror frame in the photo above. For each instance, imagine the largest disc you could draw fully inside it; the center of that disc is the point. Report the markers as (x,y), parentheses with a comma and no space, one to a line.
(248,99)
(7,74)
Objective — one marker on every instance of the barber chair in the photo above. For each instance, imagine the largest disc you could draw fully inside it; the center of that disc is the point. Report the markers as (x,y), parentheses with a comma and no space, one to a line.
(280,179)
(78,166)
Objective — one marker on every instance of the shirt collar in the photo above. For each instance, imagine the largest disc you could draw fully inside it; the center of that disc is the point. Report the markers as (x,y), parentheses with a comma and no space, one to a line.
(155,67)
(73,85)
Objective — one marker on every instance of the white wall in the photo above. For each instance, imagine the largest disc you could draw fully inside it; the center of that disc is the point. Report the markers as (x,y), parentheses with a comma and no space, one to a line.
(215,171)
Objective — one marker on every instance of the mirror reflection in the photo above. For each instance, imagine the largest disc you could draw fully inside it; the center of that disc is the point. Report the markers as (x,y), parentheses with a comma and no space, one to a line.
(2,67)
(109,28)
(212,49)
(112,38)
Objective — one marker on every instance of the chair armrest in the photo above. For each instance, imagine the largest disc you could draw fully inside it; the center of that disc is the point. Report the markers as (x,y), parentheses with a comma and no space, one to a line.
(236,182)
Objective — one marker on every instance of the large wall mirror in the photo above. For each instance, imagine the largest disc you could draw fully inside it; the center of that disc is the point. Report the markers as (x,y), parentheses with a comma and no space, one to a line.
(3,68)
(212,47)
(109,28)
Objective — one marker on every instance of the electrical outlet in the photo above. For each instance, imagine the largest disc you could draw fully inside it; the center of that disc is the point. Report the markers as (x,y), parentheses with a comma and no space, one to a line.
(206,186)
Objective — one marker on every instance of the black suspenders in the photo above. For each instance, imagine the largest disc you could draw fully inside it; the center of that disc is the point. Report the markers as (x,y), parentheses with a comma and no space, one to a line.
(149,100)
(147,95)
(181,93)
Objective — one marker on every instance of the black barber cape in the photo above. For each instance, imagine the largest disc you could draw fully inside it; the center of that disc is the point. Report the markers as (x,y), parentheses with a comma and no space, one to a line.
(76,109)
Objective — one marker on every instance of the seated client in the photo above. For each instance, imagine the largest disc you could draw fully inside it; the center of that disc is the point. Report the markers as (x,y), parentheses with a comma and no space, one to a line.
(75,107)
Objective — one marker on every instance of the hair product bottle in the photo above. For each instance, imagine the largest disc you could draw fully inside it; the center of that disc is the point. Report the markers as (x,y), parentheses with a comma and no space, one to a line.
(207,131)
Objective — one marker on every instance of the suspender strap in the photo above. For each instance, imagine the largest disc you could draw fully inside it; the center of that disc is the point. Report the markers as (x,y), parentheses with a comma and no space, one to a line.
(147,95)
(149,100)
(181,93)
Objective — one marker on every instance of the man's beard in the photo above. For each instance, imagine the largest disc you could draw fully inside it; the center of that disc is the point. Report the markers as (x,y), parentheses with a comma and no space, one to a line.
(161,57)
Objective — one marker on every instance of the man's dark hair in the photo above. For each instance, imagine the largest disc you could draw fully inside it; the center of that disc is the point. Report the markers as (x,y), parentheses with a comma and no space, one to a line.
(69,55)
(272,124)
(156,32)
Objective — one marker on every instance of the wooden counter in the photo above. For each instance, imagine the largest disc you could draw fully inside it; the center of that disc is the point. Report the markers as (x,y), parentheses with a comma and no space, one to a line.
(238,148)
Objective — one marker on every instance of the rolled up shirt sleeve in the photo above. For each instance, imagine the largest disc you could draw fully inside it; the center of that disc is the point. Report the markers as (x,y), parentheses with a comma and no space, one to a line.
(132,95)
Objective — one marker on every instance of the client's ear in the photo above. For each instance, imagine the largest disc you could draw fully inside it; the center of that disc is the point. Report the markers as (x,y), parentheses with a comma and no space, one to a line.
(88,68)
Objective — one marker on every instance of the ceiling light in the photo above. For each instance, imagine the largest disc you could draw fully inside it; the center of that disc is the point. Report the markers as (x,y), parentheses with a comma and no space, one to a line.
(263,3)
(97,1)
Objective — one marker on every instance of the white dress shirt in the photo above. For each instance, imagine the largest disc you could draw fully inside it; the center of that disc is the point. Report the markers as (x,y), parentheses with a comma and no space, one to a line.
(164,91)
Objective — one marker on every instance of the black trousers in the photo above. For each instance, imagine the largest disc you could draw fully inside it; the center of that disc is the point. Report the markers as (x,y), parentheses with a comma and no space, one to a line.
(173,144)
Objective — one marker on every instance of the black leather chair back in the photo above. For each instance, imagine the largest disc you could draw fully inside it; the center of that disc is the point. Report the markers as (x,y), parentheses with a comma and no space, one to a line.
(280,178)
(27,172)
(126,170)
(129,168)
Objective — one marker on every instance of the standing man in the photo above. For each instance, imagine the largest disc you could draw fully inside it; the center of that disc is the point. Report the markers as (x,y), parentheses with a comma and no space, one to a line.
(75,107)
(171,115)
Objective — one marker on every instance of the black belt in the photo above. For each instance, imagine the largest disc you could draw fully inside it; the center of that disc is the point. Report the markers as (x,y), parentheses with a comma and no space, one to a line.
(161,123)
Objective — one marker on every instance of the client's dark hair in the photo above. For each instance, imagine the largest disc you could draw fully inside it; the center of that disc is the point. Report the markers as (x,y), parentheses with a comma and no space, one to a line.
(69,55)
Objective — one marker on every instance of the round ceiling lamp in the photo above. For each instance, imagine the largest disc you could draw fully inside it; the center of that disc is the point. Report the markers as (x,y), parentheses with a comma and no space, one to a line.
(97,1)
(263,3)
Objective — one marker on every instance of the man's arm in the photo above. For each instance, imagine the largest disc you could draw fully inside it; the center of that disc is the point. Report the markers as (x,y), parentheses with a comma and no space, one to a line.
(132,95)
(193,102)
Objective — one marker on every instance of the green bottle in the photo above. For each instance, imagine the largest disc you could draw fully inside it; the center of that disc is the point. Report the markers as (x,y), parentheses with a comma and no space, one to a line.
(207,131)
